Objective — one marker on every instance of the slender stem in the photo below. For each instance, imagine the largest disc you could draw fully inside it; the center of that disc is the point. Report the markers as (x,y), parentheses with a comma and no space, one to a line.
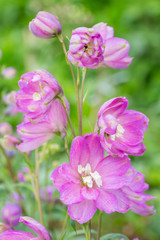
(68,117)
(87,232)
(37,187)
(64,227)
(9,166)
(78,104)
(71,68)
(99,225)
(66,146)
(82,90)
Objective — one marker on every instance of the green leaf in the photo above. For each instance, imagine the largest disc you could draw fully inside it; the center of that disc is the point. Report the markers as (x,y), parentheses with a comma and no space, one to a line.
(73,224)
(114,236)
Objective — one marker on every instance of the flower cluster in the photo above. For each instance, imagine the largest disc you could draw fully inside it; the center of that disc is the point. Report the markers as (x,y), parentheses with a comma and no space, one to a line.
(44,114)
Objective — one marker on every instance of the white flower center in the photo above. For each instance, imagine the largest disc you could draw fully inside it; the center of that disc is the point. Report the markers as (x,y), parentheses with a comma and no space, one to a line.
(36,96)
(89,177)
(119,133)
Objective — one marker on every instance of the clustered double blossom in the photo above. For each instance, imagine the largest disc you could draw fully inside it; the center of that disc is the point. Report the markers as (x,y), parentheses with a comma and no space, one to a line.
(97,46)
(44,114)
(39,229)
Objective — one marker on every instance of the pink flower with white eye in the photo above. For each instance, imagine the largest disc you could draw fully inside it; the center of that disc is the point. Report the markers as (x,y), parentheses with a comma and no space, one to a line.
(96,46)
(34,135)
(45,25)
(86,183)
(39,229)
(121,130)
(37,92)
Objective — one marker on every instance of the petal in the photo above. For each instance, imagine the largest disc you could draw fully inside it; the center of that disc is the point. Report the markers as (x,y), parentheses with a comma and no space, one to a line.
(106,202)
(38,228)
(114,106)
(82,212)
(89,193)
(71,193)
(131,136)
(58,178)
(79,154)
(16,235)
(105,31)
(96,150)
(122,201)
(118,64)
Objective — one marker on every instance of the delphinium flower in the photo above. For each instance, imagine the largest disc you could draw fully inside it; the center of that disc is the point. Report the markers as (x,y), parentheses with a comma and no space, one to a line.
(37,92)
(86,183)
(97,46)
(46,193)
(24,175)
(5,128)
(39,229)
(9,72)
(34,135)
(10,100)
(121,130)
(45,25)
(11,213)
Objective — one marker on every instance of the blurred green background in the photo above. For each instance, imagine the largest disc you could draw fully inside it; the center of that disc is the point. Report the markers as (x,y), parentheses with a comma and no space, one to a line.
(136,21)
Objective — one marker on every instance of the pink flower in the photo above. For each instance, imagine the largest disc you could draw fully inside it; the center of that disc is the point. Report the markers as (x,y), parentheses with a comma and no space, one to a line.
(9,142)
(34,135)
(5,128)
(45,25)
(96,46)
(121,130)
(39,229)
(11,213)
(37,92)
(9,72)
(24,175)
(86,183)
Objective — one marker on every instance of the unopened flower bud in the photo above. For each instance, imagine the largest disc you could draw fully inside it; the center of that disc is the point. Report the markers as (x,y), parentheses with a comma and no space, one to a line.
(9,142)
(45,25)
(5,128)
(9,72)
(11,213)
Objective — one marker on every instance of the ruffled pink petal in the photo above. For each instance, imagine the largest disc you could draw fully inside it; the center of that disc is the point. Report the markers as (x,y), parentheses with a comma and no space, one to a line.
(95,148)
(16,235)
(82,212)
(58,178)
(106,202)
(119,64)
(105,31)
(79,154)
(122,201)
(71,193)
(89,193)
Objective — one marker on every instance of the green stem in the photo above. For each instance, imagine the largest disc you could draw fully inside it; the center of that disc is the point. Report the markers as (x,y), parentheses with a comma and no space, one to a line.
(64,227)
(87,231)
(99,225)
(37,188)
(66,146)
(81,104)
(68,117)
(78,104)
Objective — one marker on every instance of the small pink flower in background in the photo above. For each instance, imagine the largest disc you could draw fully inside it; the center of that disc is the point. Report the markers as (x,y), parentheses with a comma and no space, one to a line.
(24,175)
(16,197)
(37,92)
(10,100)
(121,130)
(11,213)
(45,25)
(87,182)
(9,73)
(4,227)
(5,128)
(46,193)
(39,229)
(9,142)
(96,46)
(34,135)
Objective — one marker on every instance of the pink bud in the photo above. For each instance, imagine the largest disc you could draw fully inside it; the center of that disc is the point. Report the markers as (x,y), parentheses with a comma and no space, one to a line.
(11,213)
(5,128)
(45,25)
(9,142)
(9,72)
